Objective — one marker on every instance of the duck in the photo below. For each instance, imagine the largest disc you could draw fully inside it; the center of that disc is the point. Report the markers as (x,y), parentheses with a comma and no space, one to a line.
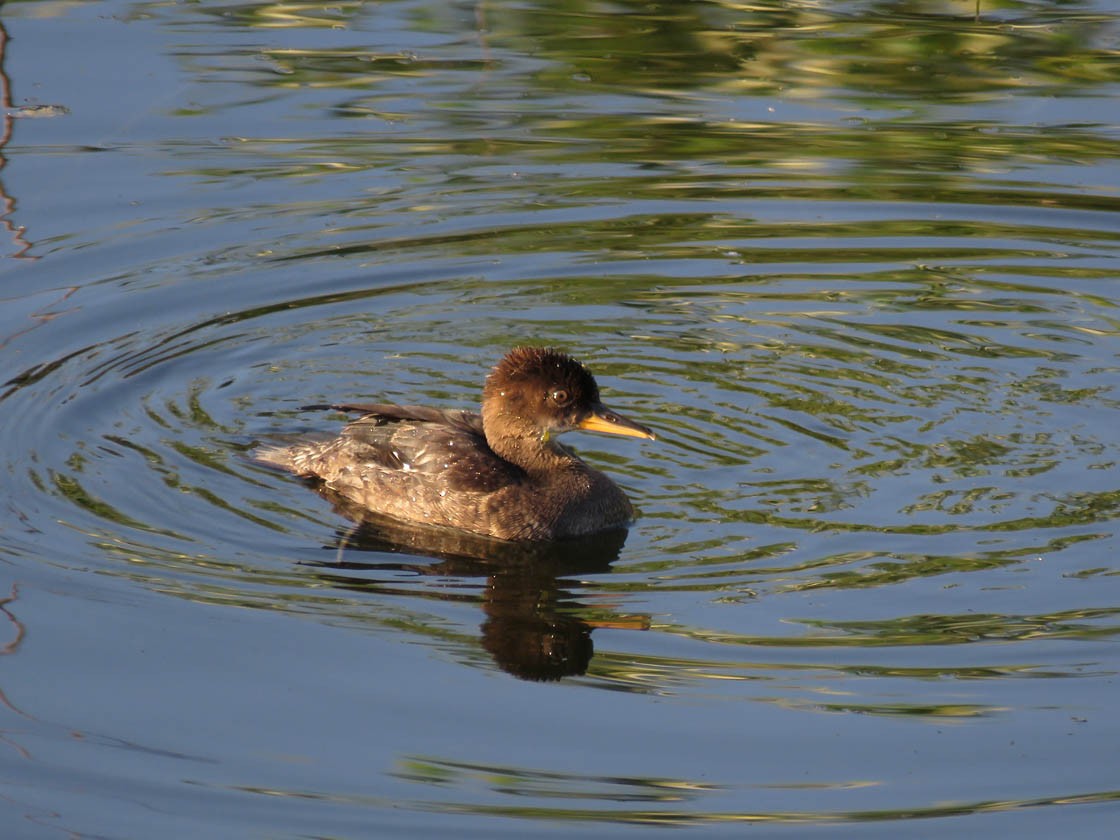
(499,473)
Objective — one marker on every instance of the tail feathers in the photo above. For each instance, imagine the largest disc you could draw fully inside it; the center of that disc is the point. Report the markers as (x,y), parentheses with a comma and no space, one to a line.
(301,458)
(276,456)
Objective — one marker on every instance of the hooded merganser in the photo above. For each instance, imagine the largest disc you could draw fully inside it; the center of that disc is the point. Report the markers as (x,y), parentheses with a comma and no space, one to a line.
(500,474)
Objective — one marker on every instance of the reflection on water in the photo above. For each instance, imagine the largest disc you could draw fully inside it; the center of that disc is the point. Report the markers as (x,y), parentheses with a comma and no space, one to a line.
(7,204)
(856,260)
(534,627)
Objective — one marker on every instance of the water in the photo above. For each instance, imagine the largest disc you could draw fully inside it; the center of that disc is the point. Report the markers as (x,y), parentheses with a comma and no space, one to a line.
(856,264)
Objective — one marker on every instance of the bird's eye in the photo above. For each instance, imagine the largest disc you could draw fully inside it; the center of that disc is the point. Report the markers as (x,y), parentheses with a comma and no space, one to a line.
(561,397)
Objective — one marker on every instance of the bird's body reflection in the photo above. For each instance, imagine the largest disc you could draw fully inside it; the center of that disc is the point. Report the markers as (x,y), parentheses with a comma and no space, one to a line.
(532,628)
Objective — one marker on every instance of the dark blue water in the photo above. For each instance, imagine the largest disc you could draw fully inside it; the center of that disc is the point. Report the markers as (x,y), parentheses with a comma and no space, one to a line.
(856,264)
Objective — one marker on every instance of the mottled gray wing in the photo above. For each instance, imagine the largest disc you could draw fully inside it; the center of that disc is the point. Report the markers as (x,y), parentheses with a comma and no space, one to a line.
(445,448)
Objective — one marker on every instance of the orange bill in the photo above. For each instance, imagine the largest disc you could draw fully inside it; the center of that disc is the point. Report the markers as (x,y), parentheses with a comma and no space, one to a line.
(602,419)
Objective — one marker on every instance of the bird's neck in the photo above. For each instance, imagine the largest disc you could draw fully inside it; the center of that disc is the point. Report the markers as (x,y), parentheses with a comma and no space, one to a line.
(532,454)
(526,447)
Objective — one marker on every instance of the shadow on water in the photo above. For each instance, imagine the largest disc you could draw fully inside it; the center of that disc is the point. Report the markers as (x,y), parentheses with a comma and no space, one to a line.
(535,627)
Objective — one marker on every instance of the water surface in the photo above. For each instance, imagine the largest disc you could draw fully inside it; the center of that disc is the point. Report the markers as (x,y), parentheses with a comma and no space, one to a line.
(856,263)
